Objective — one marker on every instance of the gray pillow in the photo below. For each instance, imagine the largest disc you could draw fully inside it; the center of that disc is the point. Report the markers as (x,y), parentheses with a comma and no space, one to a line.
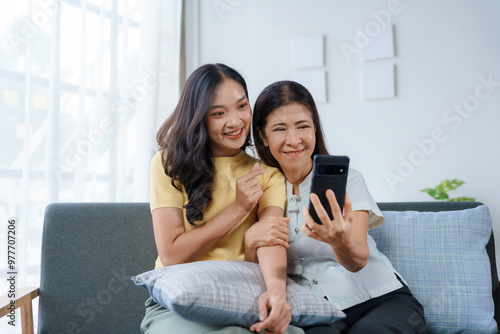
(227,292)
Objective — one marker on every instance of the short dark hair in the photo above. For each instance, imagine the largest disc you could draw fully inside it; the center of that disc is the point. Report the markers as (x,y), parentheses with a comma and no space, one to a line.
(277,95)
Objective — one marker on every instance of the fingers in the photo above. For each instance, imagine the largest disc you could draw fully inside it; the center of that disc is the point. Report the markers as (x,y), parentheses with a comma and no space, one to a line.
(248,188)
(255,171)
(308,228)
(278,231)
(275,322)
(277,223)
(280,239)
(263,302)
(269,231)
(248,184)
(274,314)
(334,205)
(250,181)
(278,319)
(277,238)
(320,210)
(347,205)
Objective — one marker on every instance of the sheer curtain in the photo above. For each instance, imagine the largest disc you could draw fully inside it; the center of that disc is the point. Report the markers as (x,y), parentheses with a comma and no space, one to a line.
(84,84)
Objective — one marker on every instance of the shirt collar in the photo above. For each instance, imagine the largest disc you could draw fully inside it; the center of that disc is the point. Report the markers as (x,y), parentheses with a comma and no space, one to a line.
(304,188)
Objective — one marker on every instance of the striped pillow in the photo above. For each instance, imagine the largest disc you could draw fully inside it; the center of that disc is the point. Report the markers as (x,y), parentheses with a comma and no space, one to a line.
(227,292)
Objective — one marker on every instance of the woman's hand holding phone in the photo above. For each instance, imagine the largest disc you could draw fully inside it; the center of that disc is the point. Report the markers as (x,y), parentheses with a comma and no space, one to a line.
(334,232)
(329,173)
(345,233)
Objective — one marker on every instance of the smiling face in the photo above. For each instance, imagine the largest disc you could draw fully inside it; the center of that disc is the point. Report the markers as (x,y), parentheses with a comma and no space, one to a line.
(228,120)
(291,138)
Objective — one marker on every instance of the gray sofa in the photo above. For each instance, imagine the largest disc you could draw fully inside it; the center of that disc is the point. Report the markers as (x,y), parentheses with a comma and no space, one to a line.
(90,251)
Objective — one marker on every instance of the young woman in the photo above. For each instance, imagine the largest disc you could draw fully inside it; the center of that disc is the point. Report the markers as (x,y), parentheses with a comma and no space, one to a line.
(206,192)
(337,260)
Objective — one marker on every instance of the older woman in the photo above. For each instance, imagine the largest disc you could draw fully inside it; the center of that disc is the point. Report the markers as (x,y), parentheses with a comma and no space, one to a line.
(338,259)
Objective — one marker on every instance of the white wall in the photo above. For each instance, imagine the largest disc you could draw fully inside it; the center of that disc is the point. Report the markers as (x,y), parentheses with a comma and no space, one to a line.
(442,48)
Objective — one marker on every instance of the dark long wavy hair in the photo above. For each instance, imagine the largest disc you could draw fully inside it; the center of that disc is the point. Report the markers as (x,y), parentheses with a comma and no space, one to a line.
(277,95)
(184,139)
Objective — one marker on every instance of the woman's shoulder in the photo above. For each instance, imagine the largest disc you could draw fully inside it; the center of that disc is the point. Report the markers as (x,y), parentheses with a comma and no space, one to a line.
(158,154)
(355,176)
(157,158)
(354,173)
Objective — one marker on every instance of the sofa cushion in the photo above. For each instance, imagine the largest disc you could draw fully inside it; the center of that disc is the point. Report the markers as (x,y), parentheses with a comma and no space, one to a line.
(443,258)
(227,292)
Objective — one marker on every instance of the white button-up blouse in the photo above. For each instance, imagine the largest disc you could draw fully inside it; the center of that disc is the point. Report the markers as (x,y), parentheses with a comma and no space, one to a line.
(312,263)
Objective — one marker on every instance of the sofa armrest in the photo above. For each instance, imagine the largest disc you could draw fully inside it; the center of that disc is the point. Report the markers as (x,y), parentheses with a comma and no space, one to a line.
(23,300)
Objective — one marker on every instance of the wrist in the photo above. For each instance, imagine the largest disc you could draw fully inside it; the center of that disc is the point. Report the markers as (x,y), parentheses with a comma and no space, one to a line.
(344,246)
(239,209)
(276,285)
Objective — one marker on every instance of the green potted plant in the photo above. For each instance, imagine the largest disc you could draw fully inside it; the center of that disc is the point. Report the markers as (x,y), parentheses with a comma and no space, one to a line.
(440,192)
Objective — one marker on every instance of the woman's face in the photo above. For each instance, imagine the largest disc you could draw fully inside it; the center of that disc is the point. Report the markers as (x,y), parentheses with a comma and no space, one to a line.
(228,119)
(291,138)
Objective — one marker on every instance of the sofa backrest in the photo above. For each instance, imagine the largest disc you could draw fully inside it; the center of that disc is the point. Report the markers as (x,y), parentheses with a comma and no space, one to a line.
(89,253)
(91,250)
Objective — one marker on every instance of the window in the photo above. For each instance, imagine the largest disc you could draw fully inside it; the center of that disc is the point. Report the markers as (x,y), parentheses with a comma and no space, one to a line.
(79,109)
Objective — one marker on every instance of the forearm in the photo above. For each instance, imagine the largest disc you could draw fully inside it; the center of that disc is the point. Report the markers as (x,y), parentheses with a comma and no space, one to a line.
(270,218)
(272,260)
(189,246)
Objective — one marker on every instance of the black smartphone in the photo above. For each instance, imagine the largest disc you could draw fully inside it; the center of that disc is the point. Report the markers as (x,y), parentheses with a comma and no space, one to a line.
(329,172)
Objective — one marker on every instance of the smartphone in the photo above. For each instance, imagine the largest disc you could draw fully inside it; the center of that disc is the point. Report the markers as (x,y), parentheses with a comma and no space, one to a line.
(329,172)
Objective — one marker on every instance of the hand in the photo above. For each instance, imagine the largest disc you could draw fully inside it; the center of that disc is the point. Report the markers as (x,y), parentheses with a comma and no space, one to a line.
(248,189)
(270,231)
(336,232)
(279,317)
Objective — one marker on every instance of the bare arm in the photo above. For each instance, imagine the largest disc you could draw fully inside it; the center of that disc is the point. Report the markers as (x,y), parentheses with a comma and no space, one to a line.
(175,245)
(274,312)
(269,231)
(346,233)
(354,255)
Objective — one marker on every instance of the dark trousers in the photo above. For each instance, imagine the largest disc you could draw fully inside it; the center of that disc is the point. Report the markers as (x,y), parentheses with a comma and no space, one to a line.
(396,312)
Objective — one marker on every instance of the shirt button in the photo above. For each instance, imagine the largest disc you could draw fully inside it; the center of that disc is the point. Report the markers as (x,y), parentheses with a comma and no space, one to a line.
(301,259)
(315,281)
(298,198)
(296,230)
